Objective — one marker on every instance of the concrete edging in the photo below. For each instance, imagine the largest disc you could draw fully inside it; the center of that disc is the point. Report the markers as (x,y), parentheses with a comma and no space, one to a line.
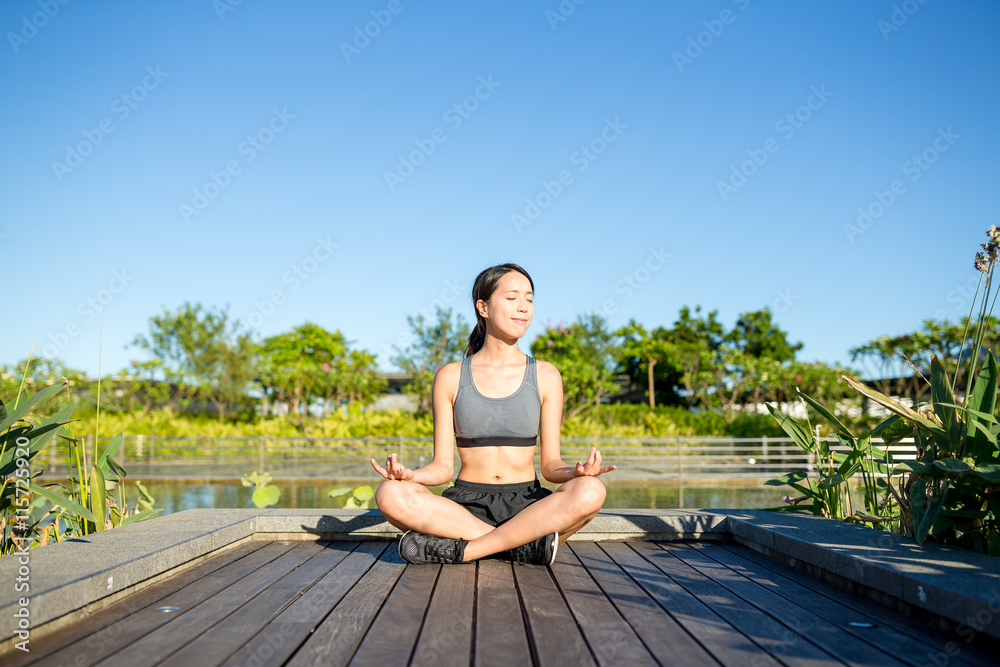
(957,586)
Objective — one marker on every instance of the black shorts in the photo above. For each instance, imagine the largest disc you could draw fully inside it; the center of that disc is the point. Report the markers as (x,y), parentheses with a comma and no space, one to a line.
(495,503)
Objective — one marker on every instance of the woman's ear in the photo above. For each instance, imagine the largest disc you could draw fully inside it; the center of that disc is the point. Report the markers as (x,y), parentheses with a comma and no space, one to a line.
(482,309)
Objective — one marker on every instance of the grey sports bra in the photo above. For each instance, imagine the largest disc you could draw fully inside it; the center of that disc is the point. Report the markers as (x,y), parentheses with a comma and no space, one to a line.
(511,421)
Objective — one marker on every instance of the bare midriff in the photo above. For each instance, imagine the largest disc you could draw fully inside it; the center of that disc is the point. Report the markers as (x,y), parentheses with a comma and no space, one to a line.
(497,465)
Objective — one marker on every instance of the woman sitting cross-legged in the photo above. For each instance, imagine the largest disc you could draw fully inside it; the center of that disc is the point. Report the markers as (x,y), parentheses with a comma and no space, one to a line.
(493,404)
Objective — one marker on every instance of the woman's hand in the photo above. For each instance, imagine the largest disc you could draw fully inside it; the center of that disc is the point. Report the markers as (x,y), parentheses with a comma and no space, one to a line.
(393,469)
(592,467)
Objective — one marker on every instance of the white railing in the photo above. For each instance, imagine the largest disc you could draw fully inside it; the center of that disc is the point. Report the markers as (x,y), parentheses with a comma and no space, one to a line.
(344,458)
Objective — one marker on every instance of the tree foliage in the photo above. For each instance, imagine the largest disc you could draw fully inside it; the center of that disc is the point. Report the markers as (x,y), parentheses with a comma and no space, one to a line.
(584,353)
(432,345)
(203,351)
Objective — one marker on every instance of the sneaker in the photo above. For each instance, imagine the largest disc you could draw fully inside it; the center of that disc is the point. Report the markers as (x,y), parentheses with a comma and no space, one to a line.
(417,548)
(540,552)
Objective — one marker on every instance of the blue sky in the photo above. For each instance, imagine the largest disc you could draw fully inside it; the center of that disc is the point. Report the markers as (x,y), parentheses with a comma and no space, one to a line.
(634,157)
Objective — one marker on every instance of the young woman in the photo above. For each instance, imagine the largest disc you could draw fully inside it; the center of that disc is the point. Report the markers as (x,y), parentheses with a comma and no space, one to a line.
(494,403)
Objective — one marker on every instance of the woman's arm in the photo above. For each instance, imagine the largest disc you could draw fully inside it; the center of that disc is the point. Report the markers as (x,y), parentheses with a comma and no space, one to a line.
(554,469)
(442,467)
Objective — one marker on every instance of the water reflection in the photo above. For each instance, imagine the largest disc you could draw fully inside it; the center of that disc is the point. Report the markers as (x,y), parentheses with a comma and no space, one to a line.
(177,495)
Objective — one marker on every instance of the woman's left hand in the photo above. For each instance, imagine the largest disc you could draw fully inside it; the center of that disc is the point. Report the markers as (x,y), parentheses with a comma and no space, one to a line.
(592,467)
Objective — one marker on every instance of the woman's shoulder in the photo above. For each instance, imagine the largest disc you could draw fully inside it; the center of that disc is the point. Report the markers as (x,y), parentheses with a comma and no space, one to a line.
(449,372)
(546,370)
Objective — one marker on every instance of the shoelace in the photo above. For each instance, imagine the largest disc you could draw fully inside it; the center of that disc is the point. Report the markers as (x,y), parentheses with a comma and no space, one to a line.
(444,551)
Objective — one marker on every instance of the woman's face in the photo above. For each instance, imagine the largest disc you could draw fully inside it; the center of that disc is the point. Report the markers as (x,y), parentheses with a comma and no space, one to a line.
(509,310)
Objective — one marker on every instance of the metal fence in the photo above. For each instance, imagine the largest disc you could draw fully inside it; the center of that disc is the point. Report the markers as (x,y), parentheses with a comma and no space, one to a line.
(346,458)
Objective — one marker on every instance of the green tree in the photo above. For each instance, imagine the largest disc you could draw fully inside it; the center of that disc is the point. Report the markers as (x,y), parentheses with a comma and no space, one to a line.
(38,375)
(432,345)
(650,357)
(203,351)
(310,367)
(584,353)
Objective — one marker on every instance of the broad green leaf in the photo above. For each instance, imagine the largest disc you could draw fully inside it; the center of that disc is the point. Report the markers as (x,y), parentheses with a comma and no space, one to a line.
(109,451)
(829,416)
(919,467)
(831,481)
(790,478)
(25,406)
(988,471)
(929,515)
(70,506)
(38,437)
(146,499)
(953,465)
(984,432)
(896,407)
(981,415)
(794,430)
(941,395)
(98,491)
(893,430)
(267,495)
(142,516)
(364,493)
(339,491)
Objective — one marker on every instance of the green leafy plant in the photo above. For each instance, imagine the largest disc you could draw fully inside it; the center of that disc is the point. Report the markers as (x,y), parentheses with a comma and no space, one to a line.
(829,494)
(954,483)
(265,493)
(87,506)
(951,492)
(359,498)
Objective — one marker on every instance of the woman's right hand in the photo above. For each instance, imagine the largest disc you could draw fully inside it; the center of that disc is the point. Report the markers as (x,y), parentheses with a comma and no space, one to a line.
(393,469)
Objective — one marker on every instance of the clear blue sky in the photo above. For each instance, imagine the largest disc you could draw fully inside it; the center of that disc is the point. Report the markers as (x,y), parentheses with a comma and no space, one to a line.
(117,115)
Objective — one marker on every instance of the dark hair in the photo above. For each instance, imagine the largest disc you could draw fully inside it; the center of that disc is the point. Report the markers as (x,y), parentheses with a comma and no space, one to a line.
(483,288)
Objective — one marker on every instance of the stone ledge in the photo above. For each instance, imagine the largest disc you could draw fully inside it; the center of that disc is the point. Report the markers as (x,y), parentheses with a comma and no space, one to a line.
(951,584)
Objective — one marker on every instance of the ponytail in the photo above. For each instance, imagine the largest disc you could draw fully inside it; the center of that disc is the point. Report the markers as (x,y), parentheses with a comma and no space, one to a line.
(476,338)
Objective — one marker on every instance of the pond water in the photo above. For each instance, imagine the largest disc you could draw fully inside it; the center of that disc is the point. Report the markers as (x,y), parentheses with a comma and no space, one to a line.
(178,495)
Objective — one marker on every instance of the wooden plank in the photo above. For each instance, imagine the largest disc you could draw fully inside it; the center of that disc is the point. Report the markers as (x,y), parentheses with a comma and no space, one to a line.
(393,634)
(90,650)
(722,640)
(337,638)
(665,638)
(90,626)
(446,636)
(807,625)
(612,640)
(286,632)
(554,635)
(500,636)
(893,629)
(188,623)
(764,630)
(226,637)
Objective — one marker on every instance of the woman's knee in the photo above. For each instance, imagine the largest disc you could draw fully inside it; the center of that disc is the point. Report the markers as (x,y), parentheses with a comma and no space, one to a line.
(395,498)
(588,494)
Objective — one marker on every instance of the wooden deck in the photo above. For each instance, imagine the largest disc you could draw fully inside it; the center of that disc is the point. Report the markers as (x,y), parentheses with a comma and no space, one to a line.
(601,603)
